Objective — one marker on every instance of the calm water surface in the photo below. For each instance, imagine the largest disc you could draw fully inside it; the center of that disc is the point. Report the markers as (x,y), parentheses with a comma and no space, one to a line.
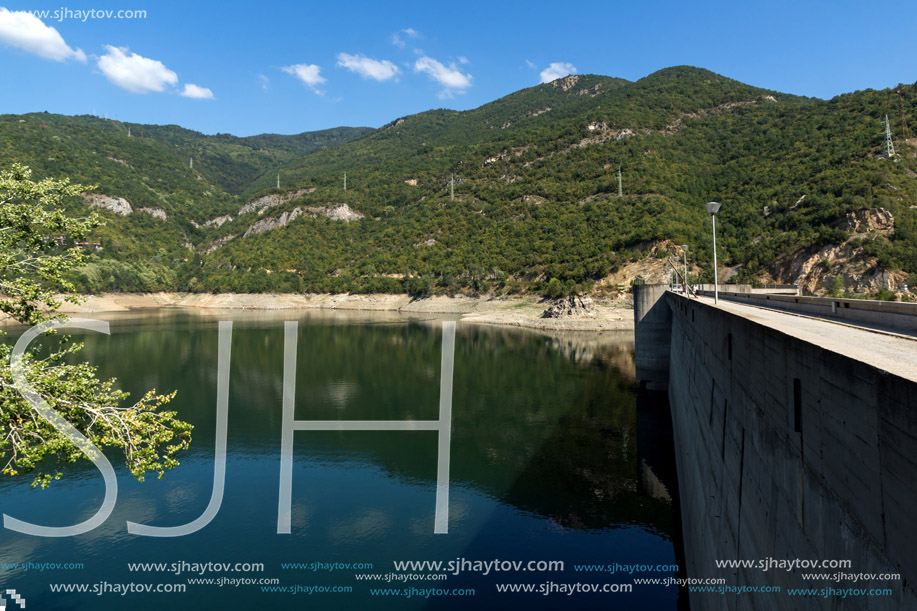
(544,466)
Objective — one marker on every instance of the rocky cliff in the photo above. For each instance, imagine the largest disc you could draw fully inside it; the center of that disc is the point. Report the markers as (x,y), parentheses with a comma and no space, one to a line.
(845,267)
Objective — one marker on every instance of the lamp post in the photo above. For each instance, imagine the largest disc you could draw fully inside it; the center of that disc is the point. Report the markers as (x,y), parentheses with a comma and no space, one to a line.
(684,250)
(712,209)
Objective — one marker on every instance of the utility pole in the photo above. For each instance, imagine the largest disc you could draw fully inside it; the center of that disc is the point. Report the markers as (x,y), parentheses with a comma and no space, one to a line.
(684,250)
(905,132)
(712,209)
(452,188)
(889,145)
(620,189)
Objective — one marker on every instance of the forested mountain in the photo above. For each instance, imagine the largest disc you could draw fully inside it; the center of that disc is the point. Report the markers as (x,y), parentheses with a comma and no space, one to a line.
(808,192)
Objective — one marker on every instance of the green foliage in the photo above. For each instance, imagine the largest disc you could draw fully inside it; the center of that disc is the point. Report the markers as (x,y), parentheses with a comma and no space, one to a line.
(111,275)
(554,289)
(884,295)
(32,262)
(535,189)
(34,266)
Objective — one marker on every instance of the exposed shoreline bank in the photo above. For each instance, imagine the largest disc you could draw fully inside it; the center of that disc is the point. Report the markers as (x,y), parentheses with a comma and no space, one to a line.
(510,311)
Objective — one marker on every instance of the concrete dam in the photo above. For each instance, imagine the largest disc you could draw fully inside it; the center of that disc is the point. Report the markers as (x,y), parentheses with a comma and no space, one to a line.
(795,442)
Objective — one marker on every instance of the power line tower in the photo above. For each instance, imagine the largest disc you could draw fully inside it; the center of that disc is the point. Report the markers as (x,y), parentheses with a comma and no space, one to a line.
(191,162)
(620,188)
(889,145)
(452,187)
(278,181)
(905,132)
(345,181)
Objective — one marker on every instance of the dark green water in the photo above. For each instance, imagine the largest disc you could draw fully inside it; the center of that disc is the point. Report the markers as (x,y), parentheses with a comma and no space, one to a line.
(544,466)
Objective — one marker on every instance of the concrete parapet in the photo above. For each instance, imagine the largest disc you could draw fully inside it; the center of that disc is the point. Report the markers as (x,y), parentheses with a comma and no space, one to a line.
(888,314)
(770,289)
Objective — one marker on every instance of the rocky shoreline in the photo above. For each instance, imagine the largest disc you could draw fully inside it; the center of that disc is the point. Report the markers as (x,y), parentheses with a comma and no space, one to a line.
(600,315)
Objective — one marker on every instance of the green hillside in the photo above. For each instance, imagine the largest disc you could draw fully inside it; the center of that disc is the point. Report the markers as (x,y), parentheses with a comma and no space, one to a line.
(536,204)
(191,177)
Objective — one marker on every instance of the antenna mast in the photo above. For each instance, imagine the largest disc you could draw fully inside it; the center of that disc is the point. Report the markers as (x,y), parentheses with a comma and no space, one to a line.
(889,145)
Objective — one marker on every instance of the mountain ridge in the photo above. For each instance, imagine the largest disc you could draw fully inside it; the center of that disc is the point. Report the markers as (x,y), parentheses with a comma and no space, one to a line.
(535,179)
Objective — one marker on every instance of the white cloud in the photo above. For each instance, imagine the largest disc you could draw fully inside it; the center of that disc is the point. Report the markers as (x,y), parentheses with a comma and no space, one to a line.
(309,74)
(25,31)
(462,59)
(134,72)
(450,77)
(197,93)
(531,64)
(265,81)
(398,41)
(379,70)
(557,70)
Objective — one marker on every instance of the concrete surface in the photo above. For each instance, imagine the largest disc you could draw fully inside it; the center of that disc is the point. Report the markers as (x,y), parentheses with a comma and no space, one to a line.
(794,438)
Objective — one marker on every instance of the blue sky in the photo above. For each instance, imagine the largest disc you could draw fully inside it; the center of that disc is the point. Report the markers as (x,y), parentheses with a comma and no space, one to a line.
(289,67)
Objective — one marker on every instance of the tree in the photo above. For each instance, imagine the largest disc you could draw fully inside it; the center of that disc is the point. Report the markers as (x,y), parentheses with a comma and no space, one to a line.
(35,258)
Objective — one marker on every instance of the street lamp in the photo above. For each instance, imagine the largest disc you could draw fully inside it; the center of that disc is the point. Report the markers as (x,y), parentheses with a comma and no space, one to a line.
(712,209)
(684,250)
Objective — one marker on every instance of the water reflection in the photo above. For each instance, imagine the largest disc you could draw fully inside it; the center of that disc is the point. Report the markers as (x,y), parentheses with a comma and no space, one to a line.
(551,455)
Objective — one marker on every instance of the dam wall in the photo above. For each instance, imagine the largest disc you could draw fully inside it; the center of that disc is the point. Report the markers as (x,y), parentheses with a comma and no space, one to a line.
(786,450)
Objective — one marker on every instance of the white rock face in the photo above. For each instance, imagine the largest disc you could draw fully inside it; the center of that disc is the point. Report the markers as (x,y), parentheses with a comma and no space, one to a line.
(218,221)
(216,244)
(566,83)
(118,205)
(272,223)
(864,221)
(340,212)
(156,213)
(272,200)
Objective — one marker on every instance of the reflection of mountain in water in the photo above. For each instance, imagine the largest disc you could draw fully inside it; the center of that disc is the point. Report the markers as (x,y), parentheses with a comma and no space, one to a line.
(543,421)
(612,349)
